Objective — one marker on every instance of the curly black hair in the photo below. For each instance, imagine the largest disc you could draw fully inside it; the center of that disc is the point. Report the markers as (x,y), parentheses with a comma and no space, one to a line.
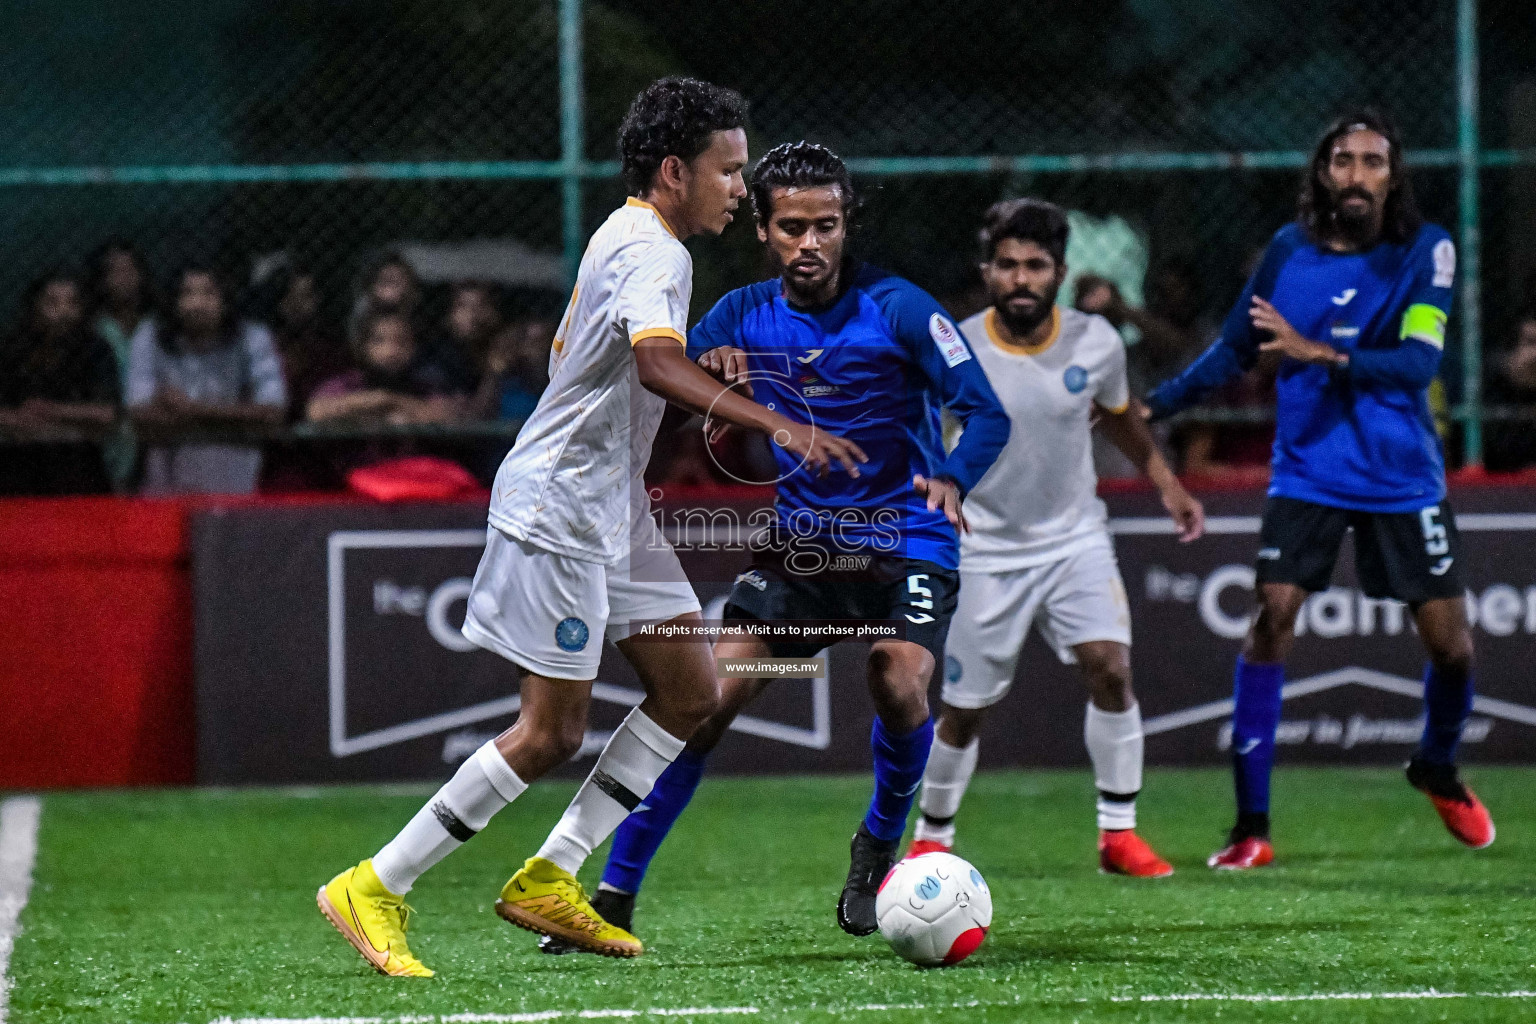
(1400,219)
(799,165)
(1028,220)
(674,116)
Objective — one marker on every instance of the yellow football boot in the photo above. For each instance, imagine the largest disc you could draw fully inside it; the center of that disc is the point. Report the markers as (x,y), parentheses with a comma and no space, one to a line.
(545,898)
(373,919)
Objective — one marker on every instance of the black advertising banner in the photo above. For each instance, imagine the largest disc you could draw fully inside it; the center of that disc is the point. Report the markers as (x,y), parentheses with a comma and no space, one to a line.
(328,648)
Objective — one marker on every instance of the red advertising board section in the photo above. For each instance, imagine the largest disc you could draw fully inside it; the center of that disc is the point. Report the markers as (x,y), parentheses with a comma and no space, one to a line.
(96,642)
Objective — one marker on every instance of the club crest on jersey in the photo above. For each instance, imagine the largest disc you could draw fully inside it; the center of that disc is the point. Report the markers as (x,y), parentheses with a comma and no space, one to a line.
(944,335)
(571,634)
(1075,378)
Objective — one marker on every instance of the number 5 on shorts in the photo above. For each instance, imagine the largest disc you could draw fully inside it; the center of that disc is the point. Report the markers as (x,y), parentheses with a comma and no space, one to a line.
(1435,541)
(922,597)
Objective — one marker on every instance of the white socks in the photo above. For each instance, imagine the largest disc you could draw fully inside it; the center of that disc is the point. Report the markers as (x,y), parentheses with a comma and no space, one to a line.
(483,785)
(944,782)
(1114,743)
(636,755)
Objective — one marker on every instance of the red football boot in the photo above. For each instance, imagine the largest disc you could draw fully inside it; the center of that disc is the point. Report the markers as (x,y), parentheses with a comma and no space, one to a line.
(1123,852)
(1459,807)
(1242,854)
(922,846)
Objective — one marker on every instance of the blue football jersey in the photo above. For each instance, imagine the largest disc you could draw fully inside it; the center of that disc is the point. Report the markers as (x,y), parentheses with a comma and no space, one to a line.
(1360,437)
(874,367)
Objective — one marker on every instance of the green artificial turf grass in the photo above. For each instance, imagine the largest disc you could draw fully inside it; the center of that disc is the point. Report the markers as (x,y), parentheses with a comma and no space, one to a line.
(190,906)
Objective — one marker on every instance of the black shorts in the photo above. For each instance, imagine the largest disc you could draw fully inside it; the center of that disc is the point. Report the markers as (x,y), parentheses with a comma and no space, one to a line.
(1411,556)
(916,596)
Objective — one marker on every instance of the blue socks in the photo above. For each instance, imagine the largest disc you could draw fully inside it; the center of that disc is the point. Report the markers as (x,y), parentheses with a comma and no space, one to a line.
(899,764)
(1255,716)
(1447,703)
(640,836)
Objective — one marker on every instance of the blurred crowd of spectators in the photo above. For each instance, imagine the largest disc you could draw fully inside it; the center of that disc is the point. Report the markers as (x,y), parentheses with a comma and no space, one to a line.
(112,385)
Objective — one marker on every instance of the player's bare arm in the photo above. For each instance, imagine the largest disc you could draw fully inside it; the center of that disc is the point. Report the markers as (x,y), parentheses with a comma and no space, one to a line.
(1127,430)
(666,370)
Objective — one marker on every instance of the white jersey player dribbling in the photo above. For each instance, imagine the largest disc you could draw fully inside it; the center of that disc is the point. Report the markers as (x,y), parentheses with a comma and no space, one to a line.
(572,550)
(1038,554)
(572,554)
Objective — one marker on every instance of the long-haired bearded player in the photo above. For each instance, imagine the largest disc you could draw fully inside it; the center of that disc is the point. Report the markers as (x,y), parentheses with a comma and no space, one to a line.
(1353,297)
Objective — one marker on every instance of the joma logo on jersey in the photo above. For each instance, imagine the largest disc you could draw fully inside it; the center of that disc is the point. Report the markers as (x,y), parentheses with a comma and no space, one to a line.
(810,355)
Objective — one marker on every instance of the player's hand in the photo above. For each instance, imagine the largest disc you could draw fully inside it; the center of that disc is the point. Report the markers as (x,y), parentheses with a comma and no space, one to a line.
(728,365)
(819,449)
(943,494)
(1187,512)
(1286,341)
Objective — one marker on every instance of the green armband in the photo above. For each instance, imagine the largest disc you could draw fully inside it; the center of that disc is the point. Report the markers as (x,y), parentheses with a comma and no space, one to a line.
(1425,322)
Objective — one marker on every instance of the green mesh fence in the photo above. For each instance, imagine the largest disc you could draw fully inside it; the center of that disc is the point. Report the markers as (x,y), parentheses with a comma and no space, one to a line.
(476,137)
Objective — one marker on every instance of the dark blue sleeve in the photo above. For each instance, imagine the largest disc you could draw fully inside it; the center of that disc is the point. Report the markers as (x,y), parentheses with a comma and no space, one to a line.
(1410,366)
(1413,362)
(720,326)
(940,351)
(1237,349)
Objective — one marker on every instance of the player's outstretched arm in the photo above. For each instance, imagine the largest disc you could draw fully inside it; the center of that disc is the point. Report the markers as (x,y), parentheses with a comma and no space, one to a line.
(666,370)
(1127,430)
(1237,349)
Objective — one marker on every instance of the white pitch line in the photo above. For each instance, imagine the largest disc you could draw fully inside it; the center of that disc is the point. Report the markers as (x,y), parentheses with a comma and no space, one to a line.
(18,852)
(1315,997)
(713,1011)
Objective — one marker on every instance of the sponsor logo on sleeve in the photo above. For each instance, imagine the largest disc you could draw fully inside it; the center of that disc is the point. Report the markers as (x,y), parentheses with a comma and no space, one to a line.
(948,339)
(1445,263)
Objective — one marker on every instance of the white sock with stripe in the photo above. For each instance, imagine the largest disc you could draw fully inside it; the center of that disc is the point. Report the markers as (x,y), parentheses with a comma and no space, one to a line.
(945,781)
(483,785)
(1114,741)
(627,769)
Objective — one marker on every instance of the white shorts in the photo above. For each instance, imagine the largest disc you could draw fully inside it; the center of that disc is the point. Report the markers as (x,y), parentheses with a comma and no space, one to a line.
(549,613)
(1072,601)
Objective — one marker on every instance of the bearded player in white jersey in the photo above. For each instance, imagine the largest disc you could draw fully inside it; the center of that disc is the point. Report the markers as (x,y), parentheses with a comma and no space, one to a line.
(1039,552)
(572,554)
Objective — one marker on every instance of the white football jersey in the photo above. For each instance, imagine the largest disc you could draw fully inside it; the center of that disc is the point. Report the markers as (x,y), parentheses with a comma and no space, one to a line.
(572,484)
(1038,503)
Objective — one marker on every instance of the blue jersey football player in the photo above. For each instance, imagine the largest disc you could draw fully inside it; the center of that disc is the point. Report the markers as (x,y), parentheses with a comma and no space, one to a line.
(872,358)
(1353,298)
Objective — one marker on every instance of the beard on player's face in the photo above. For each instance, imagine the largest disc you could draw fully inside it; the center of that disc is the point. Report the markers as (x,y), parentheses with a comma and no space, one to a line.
(1357,213)
(1023,309)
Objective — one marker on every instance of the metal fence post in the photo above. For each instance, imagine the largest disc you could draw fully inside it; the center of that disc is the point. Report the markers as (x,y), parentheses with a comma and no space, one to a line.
(1470,234)
(571,131)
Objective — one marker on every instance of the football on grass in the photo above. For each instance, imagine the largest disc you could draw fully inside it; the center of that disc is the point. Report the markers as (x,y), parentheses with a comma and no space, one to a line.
(934,910)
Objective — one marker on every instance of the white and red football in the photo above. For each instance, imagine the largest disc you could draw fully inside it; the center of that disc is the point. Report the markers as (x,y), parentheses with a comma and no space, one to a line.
(934,910)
